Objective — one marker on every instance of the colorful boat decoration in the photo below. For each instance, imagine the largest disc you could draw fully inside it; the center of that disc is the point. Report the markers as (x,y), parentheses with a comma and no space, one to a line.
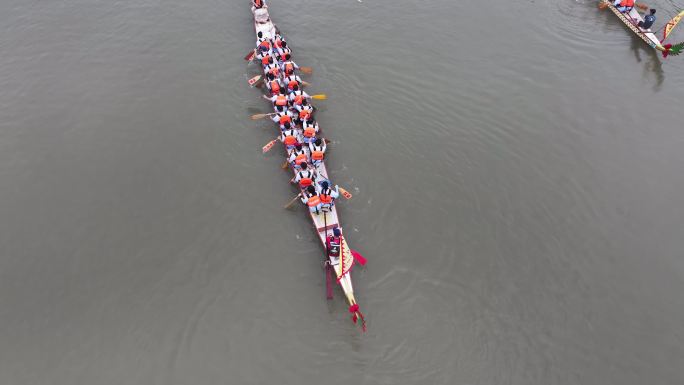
(632,18)
(324,221)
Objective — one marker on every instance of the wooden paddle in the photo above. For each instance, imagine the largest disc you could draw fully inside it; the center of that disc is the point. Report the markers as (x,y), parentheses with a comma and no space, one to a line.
(284,165)
(254,80)
(289,204)
(261,116)
(306,70)
(346,194)
(268,146)
(320,97)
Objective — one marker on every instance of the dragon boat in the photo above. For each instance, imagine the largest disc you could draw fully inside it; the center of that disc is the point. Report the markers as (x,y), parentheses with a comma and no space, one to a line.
(632,18)
(324,222)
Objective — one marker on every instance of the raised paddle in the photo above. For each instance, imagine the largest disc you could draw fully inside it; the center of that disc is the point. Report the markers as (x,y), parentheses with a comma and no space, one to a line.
(306,70)
(268,146)
(289,204)
(320,97)
(261,116)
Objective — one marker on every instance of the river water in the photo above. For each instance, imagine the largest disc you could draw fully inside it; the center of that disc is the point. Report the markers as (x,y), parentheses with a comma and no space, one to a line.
(517,180)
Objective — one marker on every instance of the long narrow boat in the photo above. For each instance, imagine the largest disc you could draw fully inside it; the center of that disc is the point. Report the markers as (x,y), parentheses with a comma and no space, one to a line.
(324,222)
(632,18)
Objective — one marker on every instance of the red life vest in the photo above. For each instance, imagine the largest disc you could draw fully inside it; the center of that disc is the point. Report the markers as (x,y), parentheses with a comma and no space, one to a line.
(281,100)
(285,119)
(275,87)
(265,44)
(304,114)
(317,155)
(301,158)
(309,132)
(264,60)
(298,99)
(313,201)
(326,198)
(275,71)
(258,4)
(305,181)
(289,140)
(292,83)
(627,3)
(289,67)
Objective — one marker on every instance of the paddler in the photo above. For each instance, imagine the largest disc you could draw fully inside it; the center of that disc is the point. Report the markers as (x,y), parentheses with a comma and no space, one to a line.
(306,176)
(297,96)
(288,65)
(310,198)
(291,81)
(298,156)
(648,20)
(283,50)
(317,148)
(305,110)
(310,130)
(334,243)
(279,100)
(263,54)
(328,196)
(624,5)
(271,67)
(282,117)
(289,137)
(273,84)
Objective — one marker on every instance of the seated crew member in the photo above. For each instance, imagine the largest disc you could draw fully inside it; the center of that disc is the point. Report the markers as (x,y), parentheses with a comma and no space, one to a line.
(273,84)
(278,41)
(310,198)
(282,117)
(298,156)
(306,176)
(283,50)
(624,5)
(272,67)
(289,137)
(262,54)
(333,243)
(297,96)
(317,148)
(292,81)
(279,100)
(305,110)
(288,65)
(648,20)
(328,196)
(310,129)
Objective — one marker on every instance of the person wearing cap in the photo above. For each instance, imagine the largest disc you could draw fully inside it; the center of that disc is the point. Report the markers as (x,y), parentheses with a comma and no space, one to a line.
(648,20)
(328,196)
(333,243)
(311,199)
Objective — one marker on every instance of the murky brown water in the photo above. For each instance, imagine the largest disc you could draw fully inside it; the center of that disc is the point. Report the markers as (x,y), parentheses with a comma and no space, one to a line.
(517,180)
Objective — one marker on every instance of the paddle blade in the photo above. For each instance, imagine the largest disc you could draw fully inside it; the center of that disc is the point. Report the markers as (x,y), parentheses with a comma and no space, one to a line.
(320,97)
(250,55)
(259,116)
(346,194)
(603,6)
(328,281)
(306,70)
(253,80)
(359,258)
(268,146)
(284,165)
(290,203)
